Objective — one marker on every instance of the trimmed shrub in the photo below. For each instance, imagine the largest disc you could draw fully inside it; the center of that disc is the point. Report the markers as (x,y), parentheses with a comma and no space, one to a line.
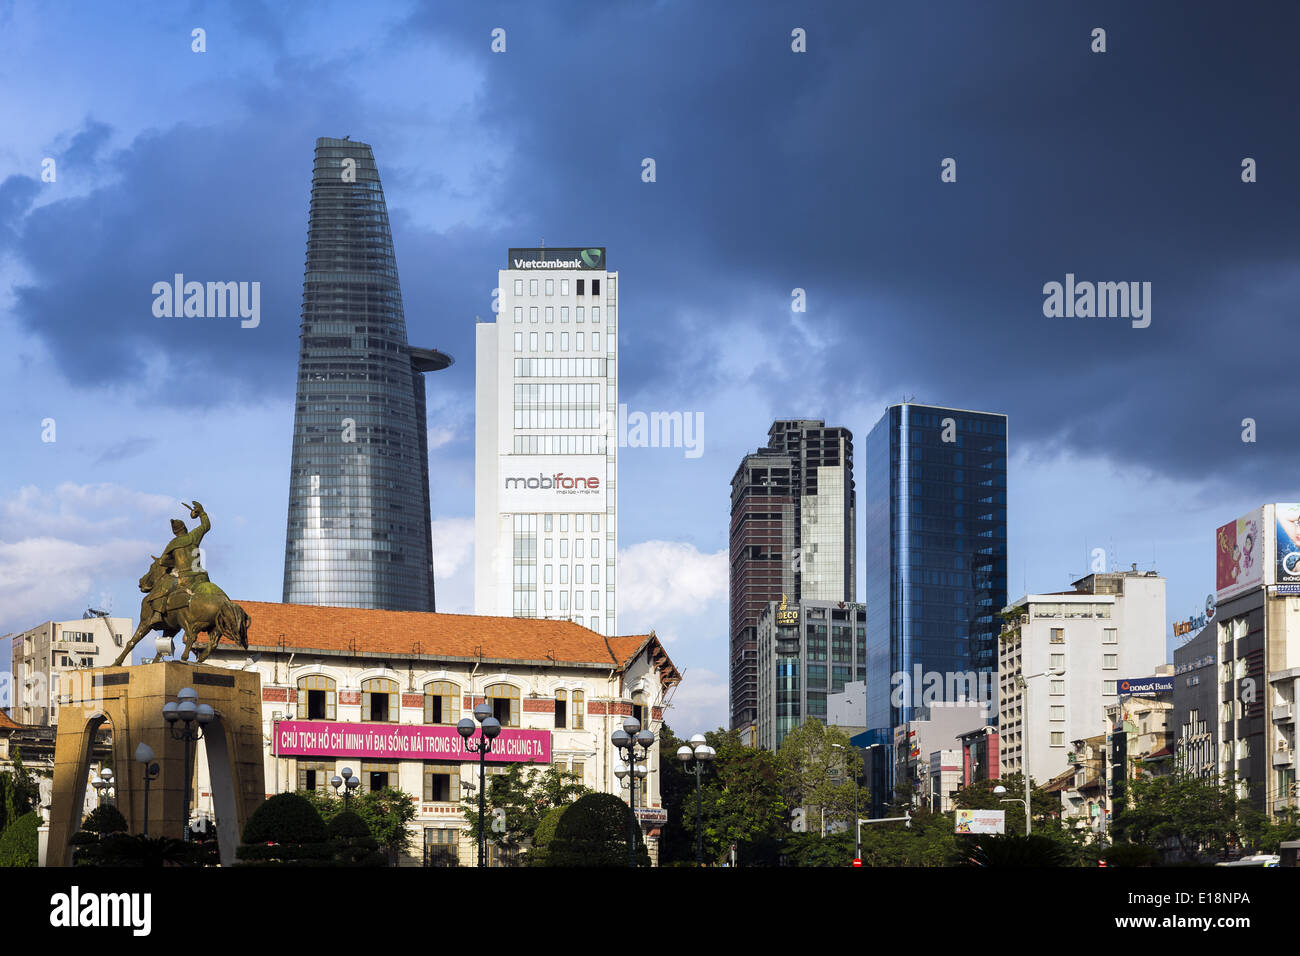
(286,830)
(18,844)
(285,818)
(544,836)
(347,825)
(352,843)
(103,820)
(593,831)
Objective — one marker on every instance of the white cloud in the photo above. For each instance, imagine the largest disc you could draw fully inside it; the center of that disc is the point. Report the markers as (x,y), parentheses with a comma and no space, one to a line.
(453,564)
(653,575)
(78,510)
(47,578)
(699,703)
(76,545)
(439,436)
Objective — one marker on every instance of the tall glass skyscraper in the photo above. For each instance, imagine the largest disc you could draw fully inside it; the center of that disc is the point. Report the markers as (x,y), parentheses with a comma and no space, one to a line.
(936,551)
(359,531)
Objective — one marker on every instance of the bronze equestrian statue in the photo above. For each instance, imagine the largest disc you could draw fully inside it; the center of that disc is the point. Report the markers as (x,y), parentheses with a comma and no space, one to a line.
(179,596)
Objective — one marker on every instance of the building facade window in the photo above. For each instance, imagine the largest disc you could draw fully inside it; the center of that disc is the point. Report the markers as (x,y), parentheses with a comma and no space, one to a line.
(313,775)
(561,709)
(317,697)
(1058,635)
(442,844)
(441,782)
(504,701)
(379,699)
(441,702)
(377,776)
(579,709)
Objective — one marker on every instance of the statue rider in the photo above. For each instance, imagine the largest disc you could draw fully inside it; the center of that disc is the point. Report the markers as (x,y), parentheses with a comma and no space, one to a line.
(181,559)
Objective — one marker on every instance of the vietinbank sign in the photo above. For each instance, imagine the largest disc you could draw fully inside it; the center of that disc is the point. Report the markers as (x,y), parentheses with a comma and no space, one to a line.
(592,257)
(536,483)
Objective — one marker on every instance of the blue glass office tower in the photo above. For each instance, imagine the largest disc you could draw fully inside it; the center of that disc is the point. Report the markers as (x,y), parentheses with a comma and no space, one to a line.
(359,531)
(936,549)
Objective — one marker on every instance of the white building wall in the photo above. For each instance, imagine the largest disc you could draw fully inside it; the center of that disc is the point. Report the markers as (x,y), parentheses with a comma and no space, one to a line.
(532,325)
(1073,706)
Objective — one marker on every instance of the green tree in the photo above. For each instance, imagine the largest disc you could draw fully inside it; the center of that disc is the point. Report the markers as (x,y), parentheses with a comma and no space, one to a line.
(527,794)
(677,794)
(819,772)
(1195,816)
(928,841)
(387,812)
(18,842)
(594,832)
(19,791)
(744,803)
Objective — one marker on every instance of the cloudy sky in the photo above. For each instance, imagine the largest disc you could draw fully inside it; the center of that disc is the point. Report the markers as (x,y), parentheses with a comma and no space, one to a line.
(775,171)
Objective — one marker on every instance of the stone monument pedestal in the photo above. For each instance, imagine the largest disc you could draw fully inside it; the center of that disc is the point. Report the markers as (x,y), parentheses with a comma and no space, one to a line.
(130,700)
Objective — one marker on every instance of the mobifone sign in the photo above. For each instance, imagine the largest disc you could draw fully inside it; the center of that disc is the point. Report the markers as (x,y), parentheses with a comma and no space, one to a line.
(535,483)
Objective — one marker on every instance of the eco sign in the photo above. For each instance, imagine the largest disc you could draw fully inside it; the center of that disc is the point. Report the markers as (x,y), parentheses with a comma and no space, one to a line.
(548,258)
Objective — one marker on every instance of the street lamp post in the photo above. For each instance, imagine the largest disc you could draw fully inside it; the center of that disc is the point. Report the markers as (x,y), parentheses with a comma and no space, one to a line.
(144,756)
(491,728)
(195,717)
(857,847)
(103,784)
(1022,681)
(345,784)
(627,740)
(693,757)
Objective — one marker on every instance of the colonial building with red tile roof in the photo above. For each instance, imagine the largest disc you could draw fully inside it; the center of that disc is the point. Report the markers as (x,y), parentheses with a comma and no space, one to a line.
(381,692)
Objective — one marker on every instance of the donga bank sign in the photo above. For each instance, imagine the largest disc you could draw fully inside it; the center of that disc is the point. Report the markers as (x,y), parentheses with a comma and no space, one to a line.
(592,257)
(567,483)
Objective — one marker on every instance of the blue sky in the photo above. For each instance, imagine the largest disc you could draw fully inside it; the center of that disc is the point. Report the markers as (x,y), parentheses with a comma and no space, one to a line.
(774,171)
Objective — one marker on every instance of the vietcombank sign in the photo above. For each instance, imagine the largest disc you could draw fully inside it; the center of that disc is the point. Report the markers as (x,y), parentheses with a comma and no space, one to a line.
(590,258)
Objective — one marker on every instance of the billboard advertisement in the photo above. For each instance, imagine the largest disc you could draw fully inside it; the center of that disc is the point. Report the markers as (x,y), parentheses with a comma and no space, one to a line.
(533,483)
(318,738)
(981,821)
(1239,555)
(1287,555)
(1145,685)
(592,257)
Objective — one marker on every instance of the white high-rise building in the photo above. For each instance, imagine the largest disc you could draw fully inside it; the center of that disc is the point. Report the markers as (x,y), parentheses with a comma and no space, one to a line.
(1062,659)
(546,441)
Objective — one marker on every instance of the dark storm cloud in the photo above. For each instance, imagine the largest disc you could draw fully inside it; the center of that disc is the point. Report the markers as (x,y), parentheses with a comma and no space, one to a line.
(779,170)
(821,171)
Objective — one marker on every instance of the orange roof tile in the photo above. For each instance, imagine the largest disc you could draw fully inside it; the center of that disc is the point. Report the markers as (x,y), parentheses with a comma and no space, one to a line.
(6,723)
(406,633)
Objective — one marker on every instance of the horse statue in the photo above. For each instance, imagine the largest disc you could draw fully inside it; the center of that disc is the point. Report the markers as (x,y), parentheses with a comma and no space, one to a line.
(179,597)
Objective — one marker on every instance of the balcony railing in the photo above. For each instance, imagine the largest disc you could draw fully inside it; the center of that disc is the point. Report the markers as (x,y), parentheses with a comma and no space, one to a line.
(1283,712)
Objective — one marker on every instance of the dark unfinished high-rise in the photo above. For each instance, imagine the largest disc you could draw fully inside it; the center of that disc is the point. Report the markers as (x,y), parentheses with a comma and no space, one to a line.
(793,536)
(359,532)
